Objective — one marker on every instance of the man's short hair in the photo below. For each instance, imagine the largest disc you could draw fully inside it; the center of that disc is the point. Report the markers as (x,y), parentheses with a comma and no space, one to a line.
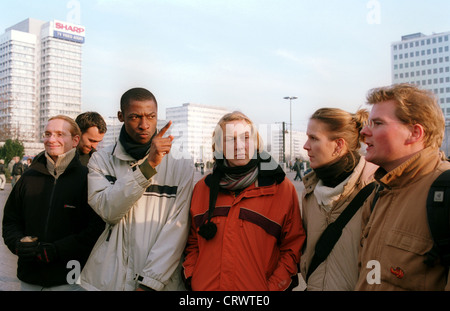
(138,94)
(414,106)
(90,119)
(74,128)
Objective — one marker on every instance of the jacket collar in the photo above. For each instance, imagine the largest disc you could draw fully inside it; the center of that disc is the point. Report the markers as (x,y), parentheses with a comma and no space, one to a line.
(40,163)
(421,164)
(310,181)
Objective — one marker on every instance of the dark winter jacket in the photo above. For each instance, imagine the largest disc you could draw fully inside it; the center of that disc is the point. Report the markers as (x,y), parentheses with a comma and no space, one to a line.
(56,211)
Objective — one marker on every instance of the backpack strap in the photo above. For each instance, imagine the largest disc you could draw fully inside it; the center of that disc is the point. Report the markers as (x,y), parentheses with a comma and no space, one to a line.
(333,232)
(438,213)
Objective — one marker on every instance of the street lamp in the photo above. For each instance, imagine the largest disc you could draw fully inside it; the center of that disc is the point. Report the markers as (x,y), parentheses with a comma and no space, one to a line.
(290,122)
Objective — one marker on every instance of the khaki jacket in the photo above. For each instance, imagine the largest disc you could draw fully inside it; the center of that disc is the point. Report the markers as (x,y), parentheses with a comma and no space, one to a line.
(396,236)
(340,270)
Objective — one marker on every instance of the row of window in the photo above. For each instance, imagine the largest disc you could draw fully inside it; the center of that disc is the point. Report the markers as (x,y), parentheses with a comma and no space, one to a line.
(61,91)
(16,46)
(61,68)
(440,39)
(422,63)
(422,52)
(419,73)
(18,56)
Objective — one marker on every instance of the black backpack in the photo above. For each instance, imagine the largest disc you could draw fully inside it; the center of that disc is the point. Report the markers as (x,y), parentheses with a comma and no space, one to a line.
(438,213)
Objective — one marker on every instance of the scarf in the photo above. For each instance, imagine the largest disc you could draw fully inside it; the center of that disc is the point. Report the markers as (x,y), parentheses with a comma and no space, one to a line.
(237,178)
(335,173)
(137,151)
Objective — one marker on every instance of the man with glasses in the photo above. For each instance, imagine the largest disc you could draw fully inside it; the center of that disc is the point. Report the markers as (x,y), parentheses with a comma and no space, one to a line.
(405,130)
(47,222)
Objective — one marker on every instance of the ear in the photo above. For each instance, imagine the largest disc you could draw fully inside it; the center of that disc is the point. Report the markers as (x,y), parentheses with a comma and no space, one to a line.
(76,140)
(120,116)
(416,135)
(340,146)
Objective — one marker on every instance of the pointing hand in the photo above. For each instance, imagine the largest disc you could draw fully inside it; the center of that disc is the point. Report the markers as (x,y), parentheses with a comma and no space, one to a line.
(160,146)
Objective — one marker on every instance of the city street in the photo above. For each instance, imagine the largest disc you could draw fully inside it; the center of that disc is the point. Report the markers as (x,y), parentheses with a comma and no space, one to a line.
(8,261)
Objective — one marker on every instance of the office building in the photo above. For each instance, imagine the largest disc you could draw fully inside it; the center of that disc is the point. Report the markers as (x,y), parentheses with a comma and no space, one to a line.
(40,76)
(273,143)
(192,127)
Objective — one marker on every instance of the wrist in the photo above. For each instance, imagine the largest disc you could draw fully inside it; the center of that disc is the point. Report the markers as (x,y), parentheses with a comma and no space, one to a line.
(147,169)
(145,288)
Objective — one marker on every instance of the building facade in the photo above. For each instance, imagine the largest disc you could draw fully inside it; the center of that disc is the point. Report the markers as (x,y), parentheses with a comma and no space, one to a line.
(192,128)
(424,60)
(40,76)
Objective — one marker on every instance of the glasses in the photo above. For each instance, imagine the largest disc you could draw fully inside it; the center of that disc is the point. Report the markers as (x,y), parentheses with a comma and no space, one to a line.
(58,135)
(371,124)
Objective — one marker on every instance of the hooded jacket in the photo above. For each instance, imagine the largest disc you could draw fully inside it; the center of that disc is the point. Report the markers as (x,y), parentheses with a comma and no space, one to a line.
(258,240)
(396,234)
(56,211)
(147,221)
(339,271)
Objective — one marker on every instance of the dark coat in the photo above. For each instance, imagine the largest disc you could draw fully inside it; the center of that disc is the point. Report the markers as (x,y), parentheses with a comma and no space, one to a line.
(56,211)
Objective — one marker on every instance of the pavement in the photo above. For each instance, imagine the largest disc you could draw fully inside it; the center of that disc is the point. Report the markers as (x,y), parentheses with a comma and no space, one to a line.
(8,261)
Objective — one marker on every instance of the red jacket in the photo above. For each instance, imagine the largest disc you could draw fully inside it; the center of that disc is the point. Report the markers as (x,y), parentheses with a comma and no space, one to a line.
(258,240)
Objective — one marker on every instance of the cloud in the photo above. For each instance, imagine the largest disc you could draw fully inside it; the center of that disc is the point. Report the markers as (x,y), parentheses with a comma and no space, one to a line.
(318,65)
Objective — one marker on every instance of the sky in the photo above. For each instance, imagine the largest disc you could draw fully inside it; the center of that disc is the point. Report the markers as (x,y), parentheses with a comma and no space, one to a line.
(244,55)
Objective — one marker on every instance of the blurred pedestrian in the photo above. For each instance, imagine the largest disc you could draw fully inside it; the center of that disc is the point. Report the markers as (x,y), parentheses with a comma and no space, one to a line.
(298,169)
(2,174)
(17,170)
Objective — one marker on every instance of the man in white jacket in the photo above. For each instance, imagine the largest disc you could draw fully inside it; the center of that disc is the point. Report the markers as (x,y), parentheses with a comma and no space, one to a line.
(143,194)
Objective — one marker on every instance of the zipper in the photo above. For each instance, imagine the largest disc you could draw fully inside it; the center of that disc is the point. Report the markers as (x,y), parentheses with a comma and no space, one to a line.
(49,209)
(109,233)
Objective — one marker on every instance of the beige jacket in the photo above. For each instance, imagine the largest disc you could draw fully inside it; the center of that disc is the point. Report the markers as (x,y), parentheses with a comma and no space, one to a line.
(340,270)
(397,235)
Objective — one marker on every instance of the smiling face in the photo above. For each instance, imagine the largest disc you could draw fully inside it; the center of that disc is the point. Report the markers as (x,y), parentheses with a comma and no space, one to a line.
(140,119)
(58,138)
(321,149)
(386,137)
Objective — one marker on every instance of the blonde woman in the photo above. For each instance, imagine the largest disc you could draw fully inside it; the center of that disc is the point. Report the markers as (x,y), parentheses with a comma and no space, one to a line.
(246,231)
(339,173)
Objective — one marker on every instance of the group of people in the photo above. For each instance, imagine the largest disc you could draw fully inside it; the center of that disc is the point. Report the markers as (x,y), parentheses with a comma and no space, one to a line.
(134,220)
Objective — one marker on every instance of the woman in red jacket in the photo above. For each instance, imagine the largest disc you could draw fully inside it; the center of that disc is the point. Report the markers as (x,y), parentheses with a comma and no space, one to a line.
(246,230)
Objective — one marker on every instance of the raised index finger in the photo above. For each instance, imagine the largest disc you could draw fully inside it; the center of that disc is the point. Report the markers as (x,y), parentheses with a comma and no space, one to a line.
(164,129)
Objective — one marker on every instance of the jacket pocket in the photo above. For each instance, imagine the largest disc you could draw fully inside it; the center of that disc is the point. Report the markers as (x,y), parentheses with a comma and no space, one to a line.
(408,242)
(403,260)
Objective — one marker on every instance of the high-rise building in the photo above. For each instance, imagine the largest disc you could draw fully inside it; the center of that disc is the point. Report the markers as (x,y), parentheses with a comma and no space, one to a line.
(425,61)
(192,127)
(40,76)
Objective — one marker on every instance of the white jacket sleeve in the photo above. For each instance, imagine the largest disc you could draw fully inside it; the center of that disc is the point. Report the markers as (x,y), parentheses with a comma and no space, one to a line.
(112,199)
(165,255)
